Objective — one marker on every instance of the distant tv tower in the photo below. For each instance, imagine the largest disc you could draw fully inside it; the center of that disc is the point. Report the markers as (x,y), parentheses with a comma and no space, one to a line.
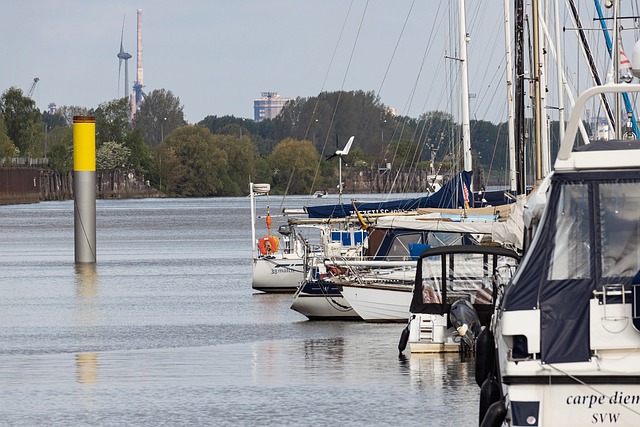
(138,93)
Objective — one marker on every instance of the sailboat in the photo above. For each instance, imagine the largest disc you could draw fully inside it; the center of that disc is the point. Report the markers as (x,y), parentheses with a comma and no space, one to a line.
(381,289)
(279,258)
(277,267)
(382,274)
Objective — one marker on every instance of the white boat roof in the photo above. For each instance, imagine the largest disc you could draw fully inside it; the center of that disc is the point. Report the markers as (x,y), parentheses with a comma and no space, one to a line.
(507,232)
(429,223)
(571,160)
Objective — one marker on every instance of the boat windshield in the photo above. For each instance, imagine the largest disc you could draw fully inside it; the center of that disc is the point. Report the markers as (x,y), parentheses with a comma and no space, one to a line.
(616,217)
(464,275)
(619,206)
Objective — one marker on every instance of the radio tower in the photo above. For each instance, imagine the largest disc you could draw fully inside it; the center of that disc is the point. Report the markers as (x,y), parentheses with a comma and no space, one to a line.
(138,94)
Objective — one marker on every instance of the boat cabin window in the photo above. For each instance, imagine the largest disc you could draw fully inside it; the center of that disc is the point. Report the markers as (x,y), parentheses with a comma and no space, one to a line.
(467,276)
(400,245)
(619,228)
(570,258)
(616,221)
(445,239)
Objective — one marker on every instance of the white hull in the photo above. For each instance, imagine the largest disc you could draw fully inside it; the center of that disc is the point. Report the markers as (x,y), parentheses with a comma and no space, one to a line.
(375,303)
(567,328)
(601,391)
(323,307)
(582,405)
(428,333)
(282,273)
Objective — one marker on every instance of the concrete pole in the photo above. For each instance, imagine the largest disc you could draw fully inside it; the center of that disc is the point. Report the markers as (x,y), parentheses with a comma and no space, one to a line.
(84,188)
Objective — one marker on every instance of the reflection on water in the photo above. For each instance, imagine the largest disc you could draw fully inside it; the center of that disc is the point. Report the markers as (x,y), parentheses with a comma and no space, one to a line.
(87,282)
(87,368)
(445,369)
(166,330)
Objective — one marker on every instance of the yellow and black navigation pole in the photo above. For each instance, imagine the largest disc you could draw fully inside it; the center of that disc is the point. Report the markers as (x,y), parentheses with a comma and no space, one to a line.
(84,188)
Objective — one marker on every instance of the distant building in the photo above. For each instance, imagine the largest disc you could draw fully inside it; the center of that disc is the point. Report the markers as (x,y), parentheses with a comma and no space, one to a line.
(268,106)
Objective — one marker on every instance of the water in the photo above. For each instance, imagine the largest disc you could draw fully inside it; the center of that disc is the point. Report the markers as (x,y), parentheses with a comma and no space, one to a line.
(166,330)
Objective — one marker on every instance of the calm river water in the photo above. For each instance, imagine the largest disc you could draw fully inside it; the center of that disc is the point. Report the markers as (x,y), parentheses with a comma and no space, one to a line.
(166,330)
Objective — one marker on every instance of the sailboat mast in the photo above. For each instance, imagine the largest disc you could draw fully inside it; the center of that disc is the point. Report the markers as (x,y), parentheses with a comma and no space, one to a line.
(586,50)
(536,89)
(561,80)
(510,106)
(519,95)
(464,95)
(616,69)
(610,47)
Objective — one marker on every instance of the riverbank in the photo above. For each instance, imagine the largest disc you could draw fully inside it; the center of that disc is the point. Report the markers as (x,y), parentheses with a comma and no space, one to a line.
(32,185)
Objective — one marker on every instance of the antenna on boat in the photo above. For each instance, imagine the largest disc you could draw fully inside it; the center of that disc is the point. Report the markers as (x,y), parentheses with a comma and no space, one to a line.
(341,153)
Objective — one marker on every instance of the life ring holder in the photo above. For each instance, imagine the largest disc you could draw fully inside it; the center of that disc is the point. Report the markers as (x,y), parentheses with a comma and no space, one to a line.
(268,245)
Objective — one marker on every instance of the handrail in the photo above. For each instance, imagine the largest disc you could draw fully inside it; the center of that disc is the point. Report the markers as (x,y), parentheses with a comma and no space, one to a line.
(567,143)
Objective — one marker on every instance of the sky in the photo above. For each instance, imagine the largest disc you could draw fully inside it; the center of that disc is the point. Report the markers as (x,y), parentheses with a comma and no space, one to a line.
(218,56)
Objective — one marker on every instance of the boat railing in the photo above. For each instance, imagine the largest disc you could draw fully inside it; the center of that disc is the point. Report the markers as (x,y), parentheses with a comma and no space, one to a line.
(579,107)
(612,294)
(376,261)
(367,269)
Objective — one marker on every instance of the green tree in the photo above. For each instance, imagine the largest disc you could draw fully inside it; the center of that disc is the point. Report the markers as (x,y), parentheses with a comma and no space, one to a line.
(21,117)
(215,123)
(112,155)
(159,114)
(191,164)
(261,132)
(335,116)
(68,112)
(241,157)
(7,149)
(437,128)
(112,121)
(60,151)
(37,135)
(53,120)
(141,159)
(294,164)
(234,129)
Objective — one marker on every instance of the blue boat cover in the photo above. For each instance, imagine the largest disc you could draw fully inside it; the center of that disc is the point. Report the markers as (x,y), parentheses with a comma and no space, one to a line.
(451,195)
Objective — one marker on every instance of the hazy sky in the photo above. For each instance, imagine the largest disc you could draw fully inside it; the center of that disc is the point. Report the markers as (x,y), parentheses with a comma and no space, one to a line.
(218,56)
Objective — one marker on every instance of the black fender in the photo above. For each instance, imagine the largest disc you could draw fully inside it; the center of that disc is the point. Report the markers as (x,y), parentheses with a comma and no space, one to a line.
(485,355)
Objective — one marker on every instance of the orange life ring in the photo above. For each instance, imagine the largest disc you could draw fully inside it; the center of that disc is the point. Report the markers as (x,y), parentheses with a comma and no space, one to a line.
(268,245)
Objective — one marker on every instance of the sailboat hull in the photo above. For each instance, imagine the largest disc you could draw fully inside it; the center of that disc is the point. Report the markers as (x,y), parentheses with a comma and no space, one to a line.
(375,303)
(277,274)
(322,301)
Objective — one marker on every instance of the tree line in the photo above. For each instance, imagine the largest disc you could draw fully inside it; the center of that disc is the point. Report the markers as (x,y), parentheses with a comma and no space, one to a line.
(219,156)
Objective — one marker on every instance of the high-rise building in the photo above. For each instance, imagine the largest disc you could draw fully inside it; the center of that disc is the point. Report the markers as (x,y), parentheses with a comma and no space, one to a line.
(268,106)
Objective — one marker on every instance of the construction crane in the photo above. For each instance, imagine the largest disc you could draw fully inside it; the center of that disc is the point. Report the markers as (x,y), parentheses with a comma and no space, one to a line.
(33,86)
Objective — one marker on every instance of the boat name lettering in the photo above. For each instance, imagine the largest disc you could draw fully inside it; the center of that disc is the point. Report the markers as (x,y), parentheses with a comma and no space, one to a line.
(377,211)
(283,268)
(606,417)
(618,398)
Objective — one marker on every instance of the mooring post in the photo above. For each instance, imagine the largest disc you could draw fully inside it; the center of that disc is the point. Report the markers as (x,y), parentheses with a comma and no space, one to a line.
(84,188)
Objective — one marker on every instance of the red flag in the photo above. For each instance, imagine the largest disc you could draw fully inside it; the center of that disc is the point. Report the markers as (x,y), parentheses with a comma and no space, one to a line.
(465,194)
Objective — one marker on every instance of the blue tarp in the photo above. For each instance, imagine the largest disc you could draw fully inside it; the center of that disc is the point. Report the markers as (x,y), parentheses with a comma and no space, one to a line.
(451,195)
